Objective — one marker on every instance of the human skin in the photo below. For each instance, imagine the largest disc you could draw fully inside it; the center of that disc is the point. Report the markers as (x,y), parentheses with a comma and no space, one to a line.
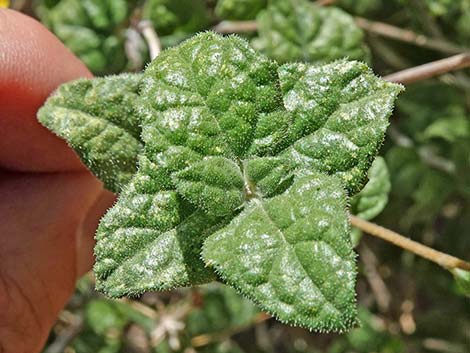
(50,204)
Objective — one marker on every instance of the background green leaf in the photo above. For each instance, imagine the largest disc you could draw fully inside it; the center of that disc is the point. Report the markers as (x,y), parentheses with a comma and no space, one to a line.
(92,29)
(297,30)
(373,198)
(239,9)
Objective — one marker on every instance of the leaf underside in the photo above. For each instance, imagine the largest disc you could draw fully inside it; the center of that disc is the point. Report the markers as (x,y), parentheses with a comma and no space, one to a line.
(246,169)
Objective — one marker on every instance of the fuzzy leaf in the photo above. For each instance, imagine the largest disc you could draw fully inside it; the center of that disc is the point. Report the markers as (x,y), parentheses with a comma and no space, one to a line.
(215,184)
(201,99)
(297,30)
(340,114)
(292,254)
(157,251)
(222,127)
(98,118)
(373,198)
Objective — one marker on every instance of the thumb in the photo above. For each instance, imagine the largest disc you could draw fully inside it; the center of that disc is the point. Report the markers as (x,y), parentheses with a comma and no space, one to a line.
(33,62)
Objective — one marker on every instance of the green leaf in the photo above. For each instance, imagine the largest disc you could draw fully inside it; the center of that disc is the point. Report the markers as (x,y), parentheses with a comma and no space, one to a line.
(371,337)
(158,250)
(361,7)
(339,113)
(425,103)
(415,185)
(224,129)
(92,29)
(297,30)
(98,118)
(152,238)
(292,254)
(406,170)
(215,184)
(448,128)
(373,198)
(224,347)
(103,316)
(462,279)
(169,17)
(223,309)
(268,176)
(239,10)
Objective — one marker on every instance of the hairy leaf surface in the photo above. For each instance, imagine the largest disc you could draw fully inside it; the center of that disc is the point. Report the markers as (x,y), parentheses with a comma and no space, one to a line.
(292,254)
(98,118)
(202,101)
(339,116)
(251,159)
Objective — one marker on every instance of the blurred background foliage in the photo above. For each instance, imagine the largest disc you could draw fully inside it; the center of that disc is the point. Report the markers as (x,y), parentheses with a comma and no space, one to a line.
(420,186)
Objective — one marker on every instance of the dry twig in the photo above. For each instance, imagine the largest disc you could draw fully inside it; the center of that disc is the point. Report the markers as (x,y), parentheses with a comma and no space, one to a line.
(447,261)
(404,35)
(67,336)
(227,27)
(205,339)
(151,36)
(141,308)
(379,288)
(325,2)
(431,69)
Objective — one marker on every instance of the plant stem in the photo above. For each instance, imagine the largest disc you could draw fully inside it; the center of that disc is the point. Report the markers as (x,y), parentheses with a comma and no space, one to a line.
(151,36)
(379,28)
(325,2)
(141,308)
(205,339)
(377,284)
(66,336)
(431,69)
(227,27)
(386,30)
(447,261)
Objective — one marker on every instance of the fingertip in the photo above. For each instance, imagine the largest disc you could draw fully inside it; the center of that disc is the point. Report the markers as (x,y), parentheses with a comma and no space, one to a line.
(86,240)
(34,56)
(33,63)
